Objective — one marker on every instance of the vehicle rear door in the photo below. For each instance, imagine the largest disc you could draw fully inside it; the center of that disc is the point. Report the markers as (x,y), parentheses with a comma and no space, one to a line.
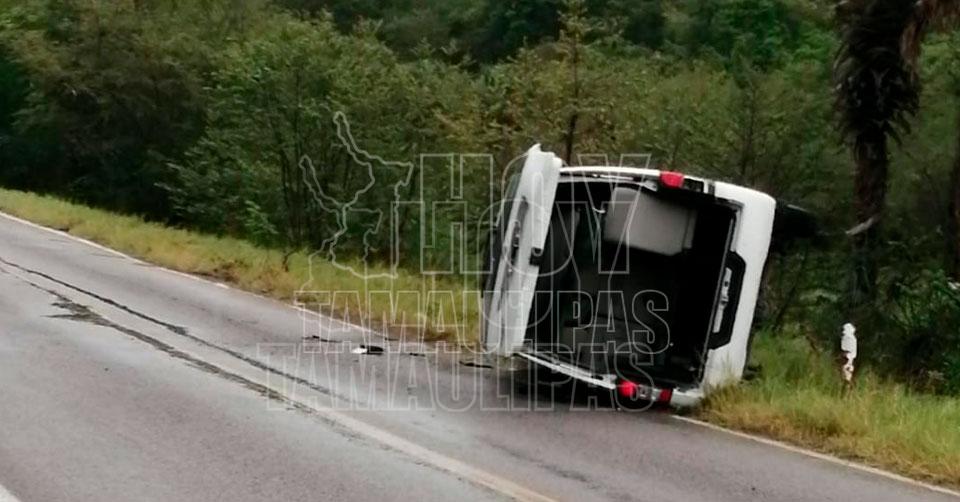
(516,252)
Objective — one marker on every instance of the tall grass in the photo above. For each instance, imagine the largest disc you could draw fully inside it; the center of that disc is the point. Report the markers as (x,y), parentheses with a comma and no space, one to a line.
(797,398)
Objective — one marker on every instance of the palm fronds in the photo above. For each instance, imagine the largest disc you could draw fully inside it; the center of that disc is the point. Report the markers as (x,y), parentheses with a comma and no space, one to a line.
(877,90)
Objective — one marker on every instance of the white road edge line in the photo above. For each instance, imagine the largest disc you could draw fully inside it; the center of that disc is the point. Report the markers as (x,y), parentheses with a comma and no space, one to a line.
(758,439)
(178,273)
(6,496)
(438,460)
(821,456)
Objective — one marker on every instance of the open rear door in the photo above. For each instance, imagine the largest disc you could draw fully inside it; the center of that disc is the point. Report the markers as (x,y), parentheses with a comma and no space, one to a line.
(517,252)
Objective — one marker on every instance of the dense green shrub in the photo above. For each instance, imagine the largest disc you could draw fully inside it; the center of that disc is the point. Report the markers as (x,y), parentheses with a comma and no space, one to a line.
(926,324)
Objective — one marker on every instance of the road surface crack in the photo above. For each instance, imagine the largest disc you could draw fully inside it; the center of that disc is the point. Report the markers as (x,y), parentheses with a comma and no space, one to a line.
(173,328)
(342,424)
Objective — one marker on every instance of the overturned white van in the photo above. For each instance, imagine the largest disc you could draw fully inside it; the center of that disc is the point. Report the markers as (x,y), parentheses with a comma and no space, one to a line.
(635,280)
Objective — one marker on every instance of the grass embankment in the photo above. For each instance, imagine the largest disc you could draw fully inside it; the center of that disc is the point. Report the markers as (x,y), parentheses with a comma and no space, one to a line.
(407,304)
(797,398)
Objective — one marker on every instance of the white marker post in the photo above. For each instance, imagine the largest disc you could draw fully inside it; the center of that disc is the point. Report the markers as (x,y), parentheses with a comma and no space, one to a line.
(848,345)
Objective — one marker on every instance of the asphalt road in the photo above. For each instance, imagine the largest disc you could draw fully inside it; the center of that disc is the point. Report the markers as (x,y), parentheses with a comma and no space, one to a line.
(124,381)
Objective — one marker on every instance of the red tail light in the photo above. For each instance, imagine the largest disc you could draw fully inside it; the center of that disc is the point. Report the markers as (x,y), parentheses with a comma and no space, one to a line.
(665,396)
(671,179)
(633,390)
(627,389)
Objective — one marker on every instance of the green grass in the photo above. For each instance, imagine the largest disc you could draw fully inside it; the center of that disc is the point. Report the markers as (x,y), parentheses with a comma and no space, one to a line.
(797,398)
(420,306)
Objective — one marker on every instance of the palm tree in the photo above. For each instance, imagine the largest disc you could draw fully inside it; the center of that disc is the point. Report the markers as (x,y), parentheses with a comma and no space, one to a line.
(878,92)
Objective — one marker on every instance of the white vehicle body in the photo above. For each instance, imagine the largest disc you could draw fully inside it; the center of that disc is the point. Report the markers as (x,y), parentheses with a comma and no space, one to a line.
(686,255)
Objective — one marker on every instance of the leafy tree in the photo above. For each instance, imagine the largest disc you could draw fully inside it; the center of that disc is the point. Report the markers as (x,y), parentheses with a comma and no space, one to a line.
(510,25)
(13,92)
(646,21)
(760,31)
(116,90)
(926,16)
(274,107)
(346,13)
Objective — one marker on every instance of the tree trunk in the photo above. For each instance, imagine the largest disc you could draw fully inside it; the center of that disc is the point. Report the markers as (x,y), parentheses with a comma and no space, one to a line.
(570,139)
(870,184)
